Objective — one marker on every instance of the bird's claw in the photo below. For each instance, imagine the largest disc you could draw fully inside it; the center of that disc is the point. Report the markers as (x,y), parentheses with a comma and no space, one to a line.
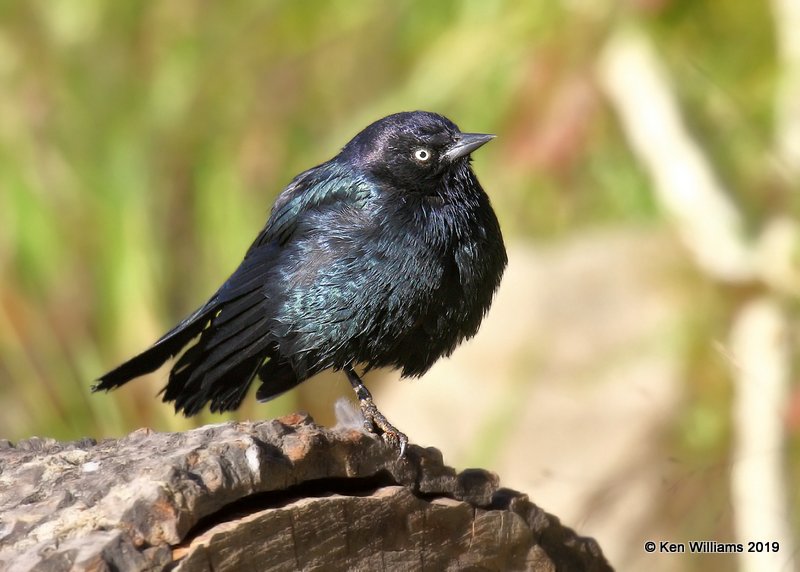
(396,440)
(375,422)
(401,437)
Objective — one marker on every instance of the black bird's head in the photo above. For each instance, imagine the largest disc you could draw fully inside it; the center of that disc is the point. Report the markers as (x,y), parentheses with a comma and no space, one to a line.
(412,150)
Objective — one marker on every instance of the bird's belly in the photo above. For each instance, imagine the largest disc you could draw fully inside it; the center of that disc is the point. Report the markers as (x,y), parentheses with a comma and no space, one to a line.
(384,300)
(411,308)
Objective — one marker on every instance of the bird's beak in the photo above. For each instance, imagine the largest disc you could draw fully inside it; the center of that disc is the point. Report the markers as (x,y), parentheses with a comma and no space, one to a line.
(466,143)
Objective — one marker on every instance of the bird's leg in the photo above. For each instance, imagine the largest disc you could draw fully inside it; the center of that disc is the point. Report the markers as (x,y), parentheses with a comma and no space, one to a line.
(374,420)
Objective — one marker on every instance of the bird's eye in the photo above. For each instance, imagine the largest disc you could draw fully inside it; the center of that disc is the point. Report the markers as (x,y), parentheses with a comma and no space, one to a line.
(422,154)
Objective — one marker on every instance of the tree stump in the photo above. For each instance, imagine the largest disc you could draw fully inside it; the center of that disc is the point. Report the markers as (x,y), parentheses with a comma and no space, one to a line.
(276,495)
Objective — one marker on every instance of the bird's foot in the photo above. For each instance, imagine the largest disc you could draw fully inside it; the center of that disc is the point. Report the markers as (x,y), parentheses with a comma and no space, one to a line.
(376,422)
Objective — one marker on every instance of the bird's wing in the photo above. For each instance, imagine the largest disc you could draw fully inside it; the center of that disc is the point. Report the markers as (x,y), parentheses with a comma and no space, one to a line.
(238,337)
(324,185)
(234,325)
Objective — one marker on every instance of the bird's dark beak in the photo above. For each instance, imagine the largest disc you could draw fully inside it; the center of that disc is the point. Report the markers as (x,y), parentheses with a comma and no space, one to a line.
(466,143)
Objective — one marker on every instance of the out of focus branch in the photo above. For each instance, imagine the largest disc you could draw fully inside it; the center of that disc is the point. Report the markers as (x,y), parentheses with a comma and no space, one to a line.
(639,89)
(787,109)
(759,341)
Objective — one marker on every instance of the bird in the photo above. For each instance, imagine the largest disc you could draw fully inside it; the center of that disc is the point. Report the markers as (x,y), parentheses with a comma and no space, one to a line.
(388,255)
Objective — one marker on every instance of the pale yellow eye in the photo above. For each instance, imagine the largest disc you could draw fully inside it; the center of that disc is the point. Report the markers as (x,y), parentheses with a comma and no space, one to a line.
(422,154)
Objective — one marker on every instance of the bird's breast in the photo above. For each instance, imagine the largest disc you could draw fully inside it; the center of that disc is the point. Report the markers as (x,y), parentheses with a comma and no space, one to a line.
(392,287)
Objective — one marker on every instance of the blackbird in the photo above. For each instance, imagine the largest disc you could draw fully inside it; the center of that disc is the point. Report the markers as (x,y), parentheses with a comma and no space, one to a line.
(387,255)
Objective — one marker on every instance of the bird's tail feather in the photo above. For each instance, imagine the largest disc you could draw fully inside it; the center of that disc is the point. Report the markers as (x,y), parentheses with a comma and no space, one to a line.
(219,374)
(152,358)
(223,388)
(235,340)
(277,377)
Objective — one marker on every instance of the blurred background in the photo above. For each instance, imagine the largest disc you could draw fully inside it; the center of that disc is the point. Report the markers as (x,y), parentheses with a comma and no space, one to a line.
(637,373)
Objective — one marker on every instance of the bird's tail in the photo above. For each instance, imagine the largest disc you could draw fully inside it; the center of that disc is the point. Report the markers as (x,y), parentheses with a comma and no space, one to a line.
(234,340)
(154,357)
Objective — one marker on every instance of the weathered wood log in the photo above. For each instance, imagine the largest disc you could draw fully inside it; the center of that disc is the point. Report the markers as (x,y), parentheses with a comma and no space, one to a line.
(274,495)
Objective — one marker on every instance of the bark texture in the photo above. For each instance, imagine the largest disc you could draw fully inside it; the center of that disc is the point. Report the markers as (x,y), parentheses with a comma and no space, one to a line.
(284,494)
